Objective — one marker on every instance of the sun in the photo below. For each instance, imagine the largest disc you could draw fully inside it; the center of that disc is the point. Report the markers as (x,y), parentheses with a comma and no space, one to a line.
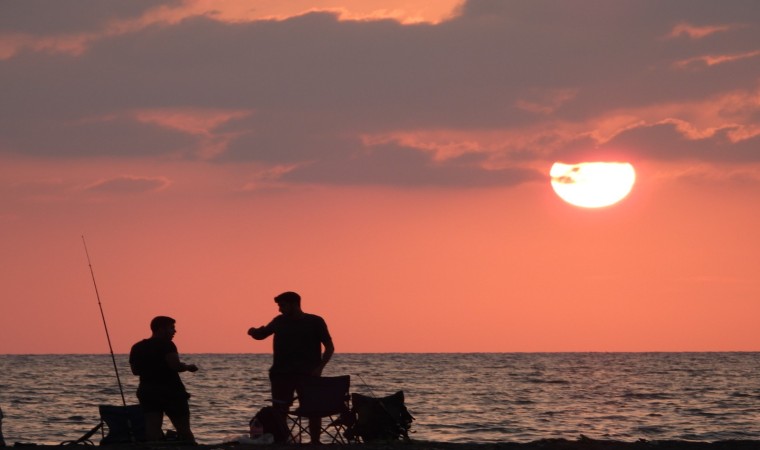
(592,184)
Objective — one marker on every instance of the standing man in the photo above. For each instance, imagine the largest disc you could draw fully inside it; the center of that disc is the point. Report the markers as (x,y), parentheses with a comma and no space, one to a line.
(297,347)
(161,390)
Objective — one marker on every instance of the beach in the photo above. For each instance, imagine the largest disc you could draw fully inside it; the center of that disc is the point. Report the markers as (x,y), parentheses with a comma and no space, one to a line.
(581,443)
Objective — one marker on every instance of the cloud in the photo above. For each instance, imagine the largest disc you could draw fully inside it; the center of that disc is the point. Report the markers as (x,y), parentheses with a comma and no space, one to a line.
(92,136)
(128,184)
(46,18)
(517,82)
(68,188)
(712,60)
(65,26)
(389,165)
(192,120)
(666,141)
(403,11)
(60,27)
(547,101)
(699,32)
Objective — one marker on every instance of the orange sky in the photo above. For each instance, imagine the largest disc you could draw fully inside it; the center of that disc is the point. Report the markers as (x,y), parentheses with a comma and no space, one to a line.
(387,160)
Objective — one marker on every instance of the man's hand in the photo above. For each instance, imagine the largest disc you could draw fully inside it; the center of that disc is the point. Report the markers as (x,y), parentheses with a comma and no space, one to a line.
(317,372)
(260,332)
(190,367)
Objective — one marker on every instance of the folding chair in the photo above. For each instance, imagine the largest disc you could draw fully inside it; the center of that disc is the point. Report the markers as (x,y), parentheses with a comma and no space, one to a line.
(323,397)
(84,440)
(125,424)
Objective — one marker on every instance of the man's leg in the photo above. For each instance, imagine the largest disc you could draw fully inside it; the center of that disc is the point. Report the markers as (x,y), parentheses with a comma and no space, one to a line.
(182,425)
(315,423)
(315,427)
(283,388)
(281,416)
(153,413)
(153,422)
(178,410)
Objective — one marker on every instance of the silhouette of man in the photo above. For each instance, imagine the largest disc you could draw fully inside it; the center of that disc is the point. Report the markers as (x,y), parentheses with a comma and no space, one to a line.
(161,390)
(297,354)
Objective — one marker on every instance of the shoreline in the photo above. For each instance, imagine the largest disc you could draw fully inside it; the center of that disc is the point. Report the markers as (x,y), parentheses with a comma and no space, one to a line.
(582,443)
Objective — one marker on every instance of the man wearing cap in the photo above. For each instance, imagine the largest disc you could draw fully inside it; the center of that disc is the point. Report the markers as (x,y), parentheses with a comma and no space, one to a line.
(297,353)
(161,390)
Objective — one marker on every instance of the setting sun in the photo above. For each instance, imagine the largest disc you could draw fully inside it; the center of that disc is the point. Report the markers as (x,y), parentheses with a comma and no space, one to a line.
(592,184)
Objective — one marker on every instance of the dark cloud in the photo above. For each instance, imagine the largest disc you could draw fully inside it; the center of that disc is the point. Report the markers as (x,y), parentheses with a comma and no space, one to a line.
(108,136)
(314,84)
(468,72)
(400,166)
(129,185)
(53,17)
(664,142)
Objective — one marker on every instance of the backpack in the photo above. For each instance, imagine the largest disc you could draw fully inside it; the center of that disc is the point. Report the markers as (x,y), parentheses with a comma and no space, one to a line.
(270,424)
(380,419)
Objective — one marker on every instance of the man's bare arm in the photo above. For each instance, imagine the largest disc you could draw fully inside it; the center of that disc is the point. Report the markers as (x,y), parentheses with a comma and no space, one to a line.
(260,332)
(175,364)
(326,355)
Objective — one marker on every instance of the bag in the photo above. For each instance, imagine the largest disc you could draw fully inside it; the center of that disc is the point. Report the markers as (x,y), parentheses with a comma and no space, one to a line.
(380,419)
(270,424)
(124,423)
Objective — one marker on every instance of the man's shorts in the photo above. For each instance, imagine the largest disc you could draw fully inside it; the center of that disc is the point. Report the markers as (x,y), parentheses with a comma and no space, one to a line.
(171,402)
(284,386)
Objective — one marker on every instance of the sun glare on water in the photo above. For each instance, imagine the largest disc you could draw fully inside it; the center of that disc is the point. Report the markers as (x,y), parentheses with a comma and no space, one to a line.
(592,184)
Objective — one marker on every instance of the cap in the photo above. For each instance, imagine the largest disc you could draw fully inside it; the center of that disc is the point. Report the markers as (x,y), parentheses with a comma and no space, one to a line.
(288,296)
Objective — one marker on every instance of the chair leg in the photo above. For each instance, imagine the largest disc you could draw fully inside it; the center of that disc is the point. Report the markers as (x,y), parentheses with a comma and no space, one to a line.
(300,426)
(335,430)
(296,430)
(315,429)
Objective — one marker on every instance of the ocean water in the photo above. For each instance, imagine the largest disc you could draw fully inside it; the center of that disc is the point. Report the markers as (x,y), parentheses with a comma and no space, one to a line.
(510,397)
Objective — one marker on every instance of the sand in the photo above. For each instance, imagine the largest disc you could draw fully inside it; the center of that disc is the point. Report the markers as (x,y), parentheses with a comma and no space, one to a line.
(544,444)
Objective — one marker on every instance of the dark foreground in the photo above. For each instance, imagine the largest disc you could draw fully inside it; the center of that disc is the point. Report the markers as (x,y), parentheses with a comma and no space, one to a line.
(544,444)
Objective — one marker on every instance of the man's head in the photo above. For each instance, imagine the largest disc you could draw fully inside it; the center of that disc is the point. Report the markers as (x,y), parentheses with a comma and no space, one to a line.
(289,296)
(289,303)
(163,326)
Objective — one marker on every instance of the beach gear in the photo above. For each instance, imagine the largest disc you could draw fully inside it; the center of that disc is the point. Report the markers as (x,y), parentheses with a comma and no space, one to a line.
(380,419)
(105,326)
(256,428)
(267,418)
(118,425)
(264,439)
(123,424)
(85,439)
(327,398)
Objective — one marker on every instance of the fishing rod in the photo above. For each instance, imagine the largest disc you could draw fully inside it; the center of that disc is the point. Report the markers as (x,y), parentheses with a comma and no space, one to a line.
(371,392)
(103,316)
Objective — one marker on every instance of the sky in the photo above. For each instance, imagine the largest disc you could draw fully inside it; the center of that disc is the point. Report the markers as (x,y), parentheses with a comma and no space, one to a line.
(388,160)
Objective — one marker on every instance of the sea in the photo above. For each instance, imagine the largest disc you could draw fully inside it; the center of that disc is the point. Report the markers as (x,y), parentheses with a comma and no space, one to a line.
(462,398)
